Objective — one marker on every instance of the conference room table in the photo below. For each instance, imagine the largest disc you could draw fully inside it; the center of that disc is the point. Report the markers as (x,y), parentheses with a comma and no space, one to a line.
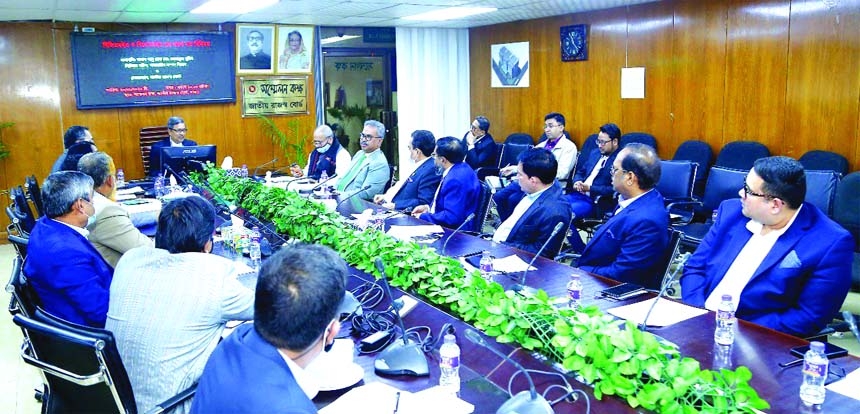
(485,376)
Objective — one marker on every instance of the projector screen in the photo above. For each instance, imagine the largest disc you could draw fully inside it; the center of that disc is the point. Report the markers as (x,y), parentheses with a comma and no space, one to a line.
(150,69)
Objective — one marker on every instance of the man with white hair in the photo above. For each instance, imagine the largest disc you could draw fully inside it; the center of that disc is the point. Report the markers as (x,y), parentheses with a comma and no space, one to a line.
(328,155)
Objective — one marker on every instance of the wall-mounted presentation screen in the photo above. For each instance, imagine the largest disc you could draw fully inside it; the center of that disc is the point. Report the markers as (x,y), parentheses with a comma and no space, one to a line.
(149,69)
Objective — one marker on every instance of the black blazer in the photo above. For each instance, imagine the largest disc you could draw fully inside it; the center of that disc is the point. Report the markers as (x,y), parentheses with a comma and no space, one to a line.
(419,188)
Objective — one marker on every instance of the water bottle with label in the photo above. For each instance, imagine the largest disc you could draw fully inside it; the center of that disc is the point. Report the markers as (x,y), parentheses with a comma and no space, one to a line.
(815,365)
(724,333)
(486,264)
(244,170)
(324,188)
(120,178)
(254,248)
(449,364)
(574,292)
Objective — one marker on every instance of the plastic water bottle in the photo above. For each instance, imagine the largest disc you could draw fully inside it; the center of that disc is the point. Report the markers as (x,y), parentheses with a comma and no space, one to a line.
(159,186)
(724,333)
(120,178)
(449,364)
(323,176)
(254,248)
(815,365)
(486,264)
(574,292)
(244,170)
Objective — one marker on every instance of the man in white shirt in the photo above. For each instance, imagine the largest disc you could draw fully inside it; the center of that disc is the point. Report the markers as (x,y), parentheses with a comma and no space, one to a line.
(785,263)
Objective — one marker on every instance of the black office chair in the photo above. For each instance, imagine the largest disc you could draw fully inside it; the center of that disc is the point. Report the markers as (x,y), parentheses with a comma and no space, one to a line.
(700,153)
(34,194)
(18,242)
(824,160)
(821,187)
(741,155)
(19,211)
(483,208)
(723,184)
(392,169)
(639,137)
(520,138)
(677,179)
(510,155)
(23,299)
(82,367)
(483,172)
(846,213)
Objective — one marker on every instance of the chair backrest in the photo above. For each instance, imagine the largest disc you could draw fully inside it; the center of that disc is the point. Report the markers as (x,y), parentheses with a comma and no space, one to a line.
(81,365)
(520,138)
(392,169)
(821,187)
(700,153)
(483,208)
(34,193)
(149,136)
(676,179)
(511,153)
(20,210)
(24,299)
(669,257)
(19,242)
(824,160)
(723,184)
(741,155)
(589,145)
(845,210)
(640,137)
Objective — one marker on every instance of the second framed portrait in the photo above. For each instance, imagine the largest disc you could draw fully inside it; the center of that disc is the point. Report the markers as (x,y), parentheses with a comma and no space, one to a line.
(295,49)
(255,46)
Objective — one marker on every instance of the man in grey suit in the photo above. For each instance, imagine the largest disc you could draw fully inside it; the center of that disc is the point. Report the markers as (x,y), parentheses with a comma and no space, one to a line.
(112,233)
(369,167)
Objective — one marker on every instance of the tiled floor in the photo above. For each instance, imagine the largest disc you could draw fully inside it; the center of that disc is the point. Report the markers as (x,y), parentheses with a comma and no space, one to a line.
(18,380)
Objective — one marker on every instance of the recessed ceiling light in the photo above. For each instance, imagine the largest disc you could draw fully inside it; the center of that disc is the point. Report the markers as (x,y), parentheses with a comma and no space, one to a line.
(334,39)
(451,13)
(232,6)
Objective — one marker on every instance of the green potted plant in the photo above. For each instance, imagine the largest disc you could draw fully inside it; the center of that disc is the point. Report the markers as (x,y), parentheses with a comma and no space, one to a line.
(290,141)
(4,150)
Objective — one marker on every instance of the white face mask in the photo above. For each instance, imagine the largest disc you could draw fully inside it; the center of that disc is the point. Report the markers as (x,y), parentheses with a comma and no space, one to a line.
(90,219)
(323,148)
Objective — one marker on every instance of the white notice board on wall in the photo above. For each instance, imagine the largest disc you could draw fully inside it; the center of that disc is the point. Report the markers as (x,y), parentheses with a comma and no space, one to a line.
(632,83)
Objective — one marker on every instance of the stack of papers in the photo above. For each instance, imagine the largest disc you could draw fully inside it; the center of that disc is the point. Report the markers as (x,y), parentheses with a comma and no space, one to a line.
(667,312)
(511,264)
(376,397)
(416,233)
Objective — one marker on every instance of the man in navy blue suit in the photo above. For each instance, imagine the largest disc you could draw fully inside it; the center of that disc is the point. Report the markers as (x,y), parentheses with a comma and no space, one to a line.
(592,177)
(786,264)
(629,246)
(68,274)
(259,368)
(459,191)
(421,185)
(176,130)
(539,208)
(480,146)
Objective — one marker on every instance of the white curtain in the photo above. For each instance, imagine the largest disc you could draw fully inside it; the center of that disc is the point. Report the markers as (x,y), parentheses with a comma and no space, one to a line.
(432,85)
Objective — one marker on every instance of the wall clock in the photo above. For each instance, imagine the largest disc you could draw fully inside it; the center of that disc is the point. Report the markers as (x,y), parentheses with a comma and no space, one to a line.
(574,42)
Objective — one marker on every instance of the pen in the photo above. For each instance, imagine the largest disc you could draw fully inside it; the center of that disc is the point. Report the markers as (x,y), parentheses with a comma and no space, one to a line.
(396,402)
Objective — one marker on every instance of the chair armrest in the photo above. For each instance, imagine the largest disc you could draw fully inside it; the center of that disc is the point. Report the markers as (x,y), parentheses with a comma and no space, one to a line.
(690,203)
(174,401)
(573,257)
(483,172)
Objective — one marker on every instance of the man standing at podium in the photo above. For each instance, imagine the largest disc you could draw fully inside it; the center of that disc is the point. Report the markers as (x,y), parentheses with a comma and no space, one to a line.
(786,265)
(177,131)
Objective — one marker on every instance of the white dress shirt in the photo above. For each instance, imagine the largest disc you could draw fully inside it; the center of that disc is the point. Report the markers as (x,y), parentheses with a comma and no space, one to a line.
(504,230)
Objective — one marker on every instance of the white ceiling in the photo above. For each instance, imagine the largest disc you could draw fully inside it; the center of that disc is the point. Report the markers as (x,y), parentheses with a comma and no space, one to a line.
(385,13)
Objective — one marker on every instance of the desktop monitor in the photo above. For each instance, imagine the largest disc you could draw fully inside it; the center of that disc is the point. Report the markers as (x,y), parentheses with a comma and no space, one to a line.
(186,159)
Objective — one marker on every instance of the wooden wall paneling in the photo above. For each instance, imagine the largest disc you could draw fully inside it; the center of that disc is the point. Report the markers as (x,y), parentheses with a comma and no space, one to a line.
(699,73)
(649,45)
(821,101)
(756,66)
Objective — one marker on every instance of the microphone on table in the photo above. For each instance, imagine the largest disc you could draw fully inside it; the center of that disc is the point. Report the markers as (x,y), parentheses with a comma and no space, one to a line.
(525,402)
(362,189)
(182,176)
(520,285)
(257,168)
(399,358)
(681,261)
(320,184)
(460,227)
(852,323)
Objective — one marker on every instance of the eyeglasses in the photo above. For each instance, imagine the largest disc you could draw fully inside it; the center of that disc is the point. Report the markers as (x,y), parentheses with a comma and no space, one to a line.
(319,143)
(551,126)
(749,192)
(179,130)
(365,137)
(255,38)
(474,127)
(601,142)
(613,170)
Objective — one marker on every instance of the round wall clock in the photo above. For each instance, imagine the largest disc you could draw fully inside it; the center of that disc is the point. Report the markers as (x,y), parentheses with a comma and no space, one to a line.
(574,42)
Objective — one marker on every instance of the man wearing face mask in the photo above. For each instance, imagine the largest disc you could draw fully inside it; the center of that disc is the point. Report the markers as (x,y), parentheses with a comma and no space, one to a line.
(260,368)
(67,273)
(328,155)
(420,186)
(111,231)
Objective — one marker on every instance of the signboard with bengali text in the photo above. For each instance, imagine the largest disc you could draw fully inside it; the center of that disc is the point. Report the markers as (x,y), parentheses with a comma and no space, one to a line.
(282,95)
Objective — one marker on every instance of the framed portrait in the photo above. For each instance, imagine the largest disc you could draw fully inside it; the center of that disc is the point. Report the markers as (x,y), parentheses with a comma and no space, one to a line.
(255,48)
(375,95)
(295,49)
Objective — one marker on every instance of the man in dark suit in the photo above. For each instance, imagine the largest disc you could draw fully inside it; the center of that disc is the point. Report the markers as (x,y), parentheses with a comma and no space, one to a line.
(68,274)
(785,264)
(177,130)
(629,246)
(74,135)
(540,207)
(592,178)
(480,146)
(421,185)
(459,191)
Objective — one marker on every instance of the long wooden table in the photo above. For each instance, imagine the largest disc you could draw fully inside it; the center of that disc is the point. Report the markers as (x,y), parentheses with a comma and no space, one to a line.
(485,376)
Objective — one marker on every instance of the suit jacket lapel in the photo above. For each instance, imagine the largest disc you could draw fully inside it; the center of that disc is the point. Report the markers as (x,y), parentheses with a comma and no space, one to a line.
(536,206)
(786,242)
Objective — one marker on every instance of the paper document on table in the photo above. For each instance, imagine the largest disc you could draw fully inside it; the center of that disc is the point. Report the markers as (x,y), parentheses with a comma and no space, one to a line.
(377,397)
(409,233)
(511,264)
(133,190)
(666,312)
(123,197)
(848,386)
